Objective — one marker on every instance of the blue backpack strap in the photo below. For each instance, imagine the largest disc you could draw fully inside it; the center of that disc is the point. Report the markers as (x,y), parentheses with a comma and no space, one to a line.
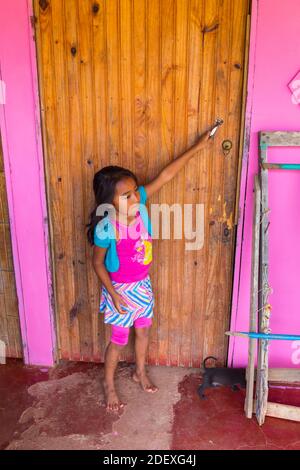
(143,194)
(103,233)
(143,209)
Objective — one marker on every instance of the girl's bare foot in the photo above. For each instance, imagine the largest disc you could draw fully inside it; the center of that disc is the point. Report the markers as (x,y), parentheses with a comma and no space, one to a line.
(112,400)
(143,379)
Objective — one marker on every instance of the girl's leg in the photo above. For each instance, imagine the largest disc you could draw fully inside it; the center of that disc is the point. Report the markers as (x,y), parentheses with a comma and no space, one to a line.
(118,341)
(142,329)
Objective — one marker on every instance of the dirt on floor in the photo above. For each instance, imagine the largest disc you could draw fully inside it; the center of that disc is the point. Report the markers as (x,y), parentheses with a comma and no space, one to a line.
(63,408)
(67,411)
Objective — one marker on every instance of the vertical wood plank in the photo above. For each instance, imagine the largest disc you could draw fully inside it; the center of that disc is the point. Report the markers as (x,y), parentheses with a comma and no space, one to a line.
(51,49)
(164,248)
(126,105)
(263,345)
(139,90)
(153,133)
(9,315)
(72,57)
(248,407)
(210,32)
(88,291)
(180,140)
(187,257)
(237,25)
(99,38)
(113,69)
(243,117)
(201,192)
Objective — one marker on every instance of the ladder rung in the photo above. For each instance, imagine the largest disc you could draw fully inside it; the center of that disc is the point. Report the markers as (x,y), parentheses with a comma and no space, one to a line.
(280,166)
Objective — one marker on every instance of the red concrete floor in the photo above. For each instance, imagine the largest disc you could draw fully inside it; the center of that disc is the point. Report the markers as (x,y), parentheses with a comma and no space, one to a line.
(15,378)
(216,423)
(14,399)
(219,421)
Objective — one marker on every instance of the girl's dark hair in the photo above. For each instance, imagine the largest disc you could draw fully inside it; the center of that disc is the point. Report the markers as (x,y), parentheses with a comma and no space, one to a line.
(104,185)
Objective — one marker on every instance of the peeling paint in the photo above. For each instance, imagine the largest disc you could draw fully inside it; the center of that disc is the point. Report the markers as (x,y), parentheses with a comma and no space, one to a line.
(227,220)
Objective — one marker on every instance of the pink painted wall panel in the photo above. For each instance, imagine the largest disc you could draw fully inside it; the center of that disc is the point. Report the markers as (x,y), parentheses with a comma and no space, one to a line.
(23,160)
(274,61)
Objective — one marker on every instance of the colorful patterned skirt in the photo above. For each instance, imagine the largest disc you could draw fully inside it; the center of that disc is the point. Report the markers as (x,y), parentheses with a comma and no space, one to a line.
(139,302)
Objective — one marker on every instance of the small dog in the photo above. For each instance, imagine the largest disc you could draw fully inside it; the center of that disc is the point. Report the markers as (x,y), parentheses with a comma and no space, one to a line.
(218,376)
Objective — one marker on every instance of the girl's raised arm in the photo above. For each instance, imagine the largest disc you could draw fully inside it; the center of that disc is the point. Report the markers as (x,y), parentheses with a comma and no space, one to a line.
(175,166)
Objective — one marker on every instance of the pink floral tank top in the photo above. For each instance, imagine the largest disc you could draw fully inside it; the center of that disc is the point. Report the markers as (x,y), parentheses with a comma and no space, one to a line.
(134,249)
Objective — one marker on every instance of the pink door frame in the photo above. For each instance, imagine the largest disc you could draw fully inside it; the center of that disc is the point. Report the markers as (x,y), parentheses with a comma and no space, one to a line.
(25,181)
(273,62)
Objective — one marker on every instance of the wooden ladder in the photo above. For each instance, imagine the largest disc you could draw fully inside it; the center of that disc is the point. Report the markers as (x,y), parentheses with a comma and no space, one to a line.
(260,309)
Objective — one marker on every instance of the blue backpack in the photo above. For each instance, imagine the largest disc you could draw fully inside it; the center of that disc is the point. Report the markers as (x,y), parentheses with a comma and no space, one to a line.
(105,235)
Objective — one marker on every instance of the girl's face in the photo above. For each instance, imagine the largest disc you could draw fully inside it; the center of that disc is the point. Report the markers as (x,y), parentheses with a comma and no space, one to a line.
(126,196)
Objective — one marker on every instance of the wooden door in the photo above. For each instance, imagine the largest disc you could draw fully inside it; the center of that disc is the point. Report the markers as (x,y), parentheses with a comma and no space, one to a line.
(9,314)
(132,83)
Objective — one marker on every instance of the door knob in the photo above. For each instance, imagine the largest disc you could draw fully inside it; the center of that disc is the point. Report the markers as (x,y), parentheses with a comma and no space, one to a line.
(226,146)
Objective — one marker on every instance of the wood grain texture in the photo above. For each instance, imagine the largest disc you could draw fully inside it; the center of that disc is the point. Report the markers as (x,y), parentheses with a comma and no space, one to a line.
(278,410)
(10,331)
(264,312)
(248,407)
(243,141)
(134,84)
(280,138)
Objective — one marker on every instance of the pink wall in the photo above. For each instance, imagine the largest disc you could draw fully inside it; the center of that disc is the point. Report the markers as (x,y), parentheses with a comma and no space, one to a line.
(274,61)
(23,161)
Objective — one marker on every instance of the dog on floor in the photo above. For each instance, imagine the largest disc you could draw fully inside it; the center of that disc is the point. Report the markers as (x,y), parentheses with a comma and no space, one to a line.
(221,376)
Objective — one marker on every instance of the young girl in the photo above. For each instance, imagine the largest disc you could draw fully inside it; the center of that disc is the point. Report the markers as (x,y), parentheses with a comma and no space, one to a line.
(121,258)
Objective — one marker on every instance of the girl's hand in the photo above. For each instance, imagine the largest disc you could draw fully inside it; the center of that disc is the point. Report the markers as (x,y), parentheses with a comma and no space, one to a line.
(203,140)
(120,303)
